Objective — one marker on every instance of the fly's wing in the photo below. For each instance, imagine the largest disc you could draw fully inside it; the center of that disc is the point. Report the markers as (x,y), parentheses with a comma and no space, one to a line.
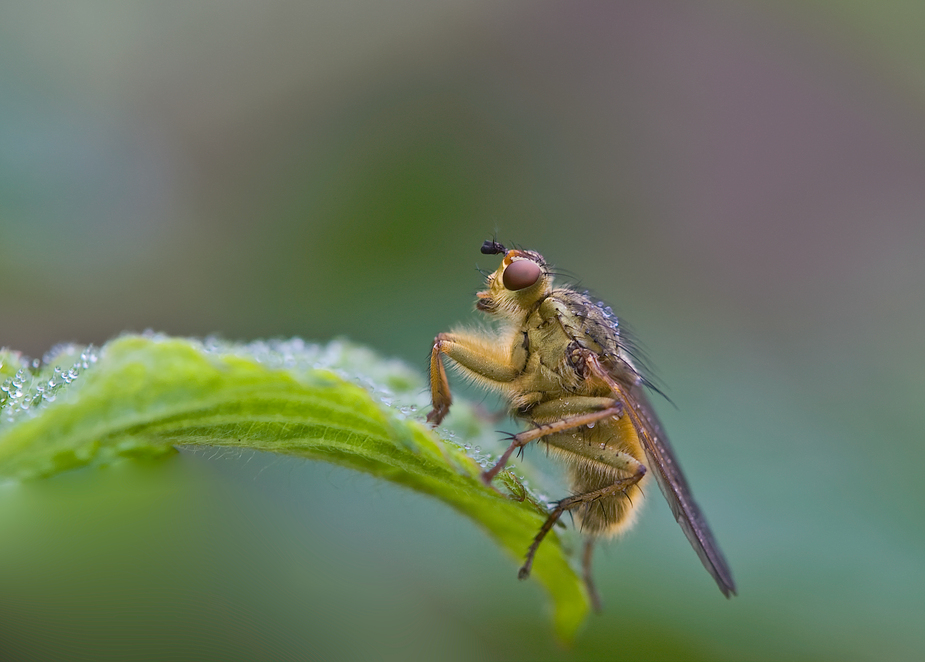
(674,486)
(670,479)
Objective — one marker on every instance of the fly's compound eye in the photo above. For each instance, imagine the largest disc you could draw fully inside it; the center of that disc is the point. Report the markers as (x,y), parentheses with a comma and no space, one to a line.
(520,275)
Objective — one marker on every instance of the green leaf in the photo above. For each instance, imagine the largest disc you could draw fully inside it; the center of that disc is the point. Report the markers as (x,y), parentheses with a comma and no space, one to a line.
(140,396)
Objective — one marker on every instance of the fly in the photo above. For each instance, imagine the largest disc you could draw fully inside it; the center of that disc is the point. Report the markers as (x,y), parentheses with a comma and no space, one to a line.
(559,359)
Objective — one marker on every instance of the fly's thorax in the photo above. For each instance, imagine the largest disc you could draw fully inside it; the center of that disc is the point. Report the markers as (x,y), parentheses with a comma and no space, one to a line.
(546,374)
(591,324)
(546,336)
(556,335)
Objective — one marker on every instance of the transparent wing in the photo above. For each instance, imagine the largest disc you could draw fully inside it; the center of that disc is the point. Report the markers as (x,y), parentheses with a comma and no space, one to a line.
(671,480)
(674,486)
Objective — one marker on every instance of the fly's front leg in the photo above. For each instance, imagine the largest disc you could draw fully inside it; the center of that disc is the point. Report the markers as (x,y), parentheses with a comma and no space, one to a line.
(440,398)
(574,411)
(619,485)
(487,361)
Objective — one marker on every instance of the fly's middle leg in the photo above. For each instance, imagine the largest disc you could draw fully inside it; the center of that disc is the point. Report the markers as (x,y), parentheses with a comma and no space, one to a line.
(575,412)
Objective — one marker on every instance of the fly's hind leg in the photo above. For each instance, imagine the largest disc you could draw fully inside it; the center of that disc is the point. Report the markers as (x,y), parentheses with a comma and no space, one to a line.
(586,572)
(619,485)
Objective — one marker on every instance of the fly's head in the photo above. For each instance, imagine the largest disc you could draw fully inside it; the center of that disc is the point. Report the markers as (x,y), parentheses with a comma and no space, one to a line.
(519,283)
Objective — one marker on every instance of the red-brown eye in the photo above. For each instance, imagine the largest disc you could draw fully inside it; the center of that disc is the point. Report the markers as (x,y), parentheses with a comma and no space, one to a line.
(521,274)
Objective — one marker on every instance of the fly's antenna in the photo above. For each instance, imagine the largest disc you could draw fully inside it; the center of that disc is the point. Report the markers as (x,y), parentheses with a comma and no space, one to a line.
(492,247)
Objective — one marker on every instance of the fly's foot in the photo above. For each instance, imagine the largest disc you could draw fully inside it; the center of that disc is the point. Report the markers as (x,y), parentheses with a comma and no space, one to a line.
(438,413)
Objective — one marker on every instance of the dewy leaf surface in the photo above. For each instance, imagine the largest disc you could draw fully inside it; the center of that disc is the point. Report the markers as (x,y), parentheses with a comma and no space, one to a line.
(140,396)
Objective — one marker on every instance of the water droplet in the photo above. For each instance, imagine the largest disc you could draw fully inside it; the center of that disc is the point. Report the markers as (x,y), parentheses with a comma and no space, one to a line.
(591,425)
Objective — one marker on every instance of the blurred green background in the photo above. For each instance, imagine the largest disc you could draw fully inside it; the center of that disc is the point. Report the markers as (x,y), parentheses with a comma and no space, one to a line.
(744,182)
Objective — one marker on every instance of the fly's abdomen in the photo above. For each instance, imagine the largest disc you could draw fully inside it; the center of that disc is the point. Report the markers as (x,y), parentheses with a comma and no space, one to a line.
(612,514)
